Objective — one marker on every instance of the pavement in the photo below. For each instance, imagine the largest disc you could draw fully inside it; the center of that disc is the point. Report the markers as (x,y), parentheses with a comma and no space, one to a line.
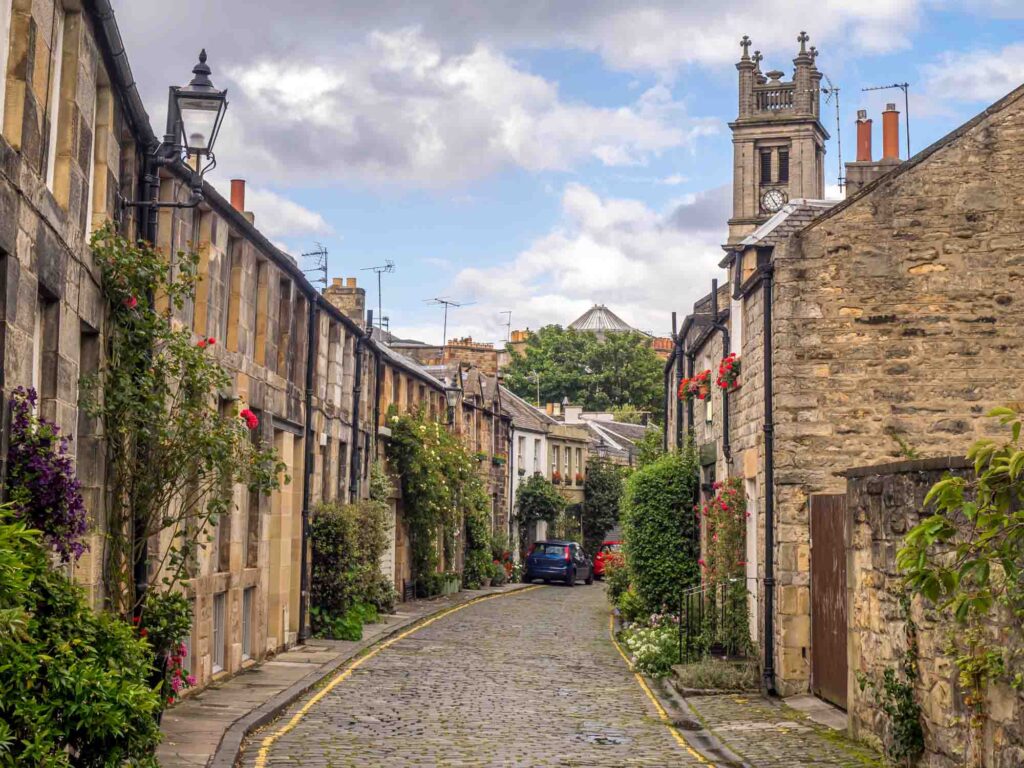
(207,728)
(530,678)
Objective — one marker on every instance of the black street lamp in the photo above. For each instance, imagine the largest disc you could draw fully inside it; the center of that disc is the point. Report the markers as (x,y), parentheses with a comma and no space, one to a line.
(194,116)
(454,397)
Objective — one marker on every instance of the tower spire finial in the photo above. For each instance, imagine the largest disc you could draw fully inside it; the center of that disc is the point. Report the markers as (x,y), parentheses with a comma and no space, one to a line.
(802,38)
(758,58)
(745,45)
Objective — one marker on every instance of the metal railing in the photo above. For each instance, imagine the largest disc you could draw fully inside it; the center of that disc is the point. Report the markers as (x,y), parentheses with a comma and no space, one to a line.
(713,621)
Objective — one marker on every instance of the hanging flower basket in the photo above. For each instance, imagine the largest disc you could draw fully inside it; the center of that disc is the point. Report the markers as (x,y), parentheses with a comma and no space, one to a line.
(499,459)
(697,387)
(729,372)
(481,455)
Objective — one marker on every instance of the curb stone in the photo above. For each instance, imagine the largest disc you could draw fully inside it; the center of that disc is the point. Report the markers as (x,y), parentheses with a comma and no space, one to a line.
(229,749)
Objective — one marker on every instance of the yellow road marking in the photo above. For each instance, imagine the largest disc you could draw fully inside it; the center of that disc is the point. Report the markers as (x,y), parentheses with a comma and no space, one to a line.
(268,741)
(654,700)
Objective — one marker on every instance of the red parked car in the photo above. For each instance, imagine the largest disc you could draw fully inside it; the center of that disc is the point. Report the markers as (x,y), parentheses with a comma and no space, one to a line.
(607,550)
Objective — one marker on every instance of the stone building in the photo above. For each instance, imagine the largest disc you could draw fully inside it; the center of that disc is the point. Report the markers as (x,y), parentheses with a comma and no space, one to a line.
(73,139)
(885,323)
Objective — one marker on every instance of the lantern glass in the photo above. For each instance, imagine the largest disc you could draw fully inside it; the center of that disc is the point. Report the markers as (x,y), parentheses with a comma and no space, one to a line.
(201,114)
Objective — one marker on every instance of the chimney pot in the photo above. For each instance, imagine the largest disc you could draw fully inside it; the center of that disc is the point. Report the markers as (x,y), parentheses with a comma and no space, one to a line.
(863,137)
(337,282)
(890,133)
(351,282)
(238,195)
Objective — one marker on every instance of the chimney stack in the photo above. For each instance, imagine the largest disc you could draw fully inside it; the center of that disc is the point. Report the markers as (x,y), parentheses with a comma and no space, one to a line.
(863,136)
(348,297)
(890,133)
(238,195)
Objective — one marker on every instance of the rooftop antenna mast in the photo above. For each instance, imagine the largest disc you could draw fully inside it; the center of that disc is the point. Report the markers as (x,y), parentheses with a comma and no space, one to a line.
(830,91)
(440,300)
(320,265)
(387,267)
(905,87)
(508,324)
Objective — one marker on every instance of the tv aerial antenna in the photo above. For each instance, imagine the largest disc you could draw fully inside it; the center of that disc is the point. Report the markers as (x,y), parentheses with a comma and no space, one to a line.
(831,91)
(507,324)
(446,302)
(320,265)
(386,268)
(905,87)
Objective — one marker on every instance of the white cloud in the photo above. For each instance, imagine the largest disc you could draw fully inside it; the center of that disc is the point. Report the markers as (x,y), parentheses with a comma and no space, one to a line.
(396,108)
(640,262)
(278,217)
(981,75)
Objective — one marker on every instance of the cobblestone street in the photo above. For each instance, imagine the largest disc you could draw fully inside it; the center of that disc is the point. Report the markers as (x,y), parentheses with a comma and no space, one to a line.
(528,679)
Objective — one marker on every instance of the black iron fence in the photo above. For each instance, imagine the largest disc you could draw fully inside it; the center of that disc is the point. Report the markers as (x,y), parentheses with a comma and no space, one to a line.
(714,621)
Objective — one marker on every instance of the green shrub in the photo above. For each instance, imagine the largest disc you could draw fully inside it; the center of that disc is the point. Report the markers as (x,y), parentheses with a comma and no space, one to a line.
(616,576)
(659,527)
(348,543)
(631,606)
(478,549)
(74,687)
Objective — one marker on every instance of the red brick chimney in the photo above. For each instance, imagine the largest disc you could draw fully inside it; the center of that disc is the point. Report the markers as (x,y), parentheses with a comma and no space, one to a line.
(890,133)
(238,195)
(863,136)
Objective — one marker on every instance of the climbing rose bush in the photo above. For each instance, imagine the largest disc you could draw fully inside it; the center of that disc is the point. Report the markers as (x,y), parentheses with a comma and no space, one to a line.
(44,490)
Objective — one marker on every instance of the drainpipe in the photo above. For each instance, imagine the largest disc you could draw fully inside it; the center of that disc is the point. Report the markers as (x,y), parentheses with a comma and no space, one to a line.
(691,362)
(769,485)
(668,394)
(312,337)
(678,351)
(357,387)
(724,330)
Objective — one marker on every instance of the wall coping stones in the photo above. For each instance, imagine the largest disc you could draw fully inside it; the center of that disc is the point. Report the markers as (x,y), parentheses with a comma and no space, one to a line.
(909,465)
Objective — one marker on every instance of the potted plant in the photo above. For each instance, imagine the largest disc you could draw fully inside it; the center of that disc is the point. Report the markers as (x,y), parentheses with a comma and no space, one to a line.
(481,455)
(729,372)
(499,459)
(556,477)
(522,471)
(579,478)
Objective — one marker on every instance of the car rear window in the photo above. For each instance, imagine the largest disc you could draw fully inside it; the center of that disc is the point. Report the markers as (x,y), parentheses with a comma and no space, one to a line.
(611,547)
(548,549)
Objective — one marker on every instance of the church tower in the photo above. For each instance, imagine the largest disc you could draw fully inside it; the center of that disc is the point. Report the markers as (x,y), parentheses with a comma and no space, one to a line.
(778,139)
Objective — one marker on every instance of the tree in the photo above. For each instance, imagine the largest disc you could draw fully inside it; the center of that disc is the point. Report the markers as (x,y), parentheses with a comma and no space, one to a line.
(536,500)
(619,371)
(602,492)
(659,526)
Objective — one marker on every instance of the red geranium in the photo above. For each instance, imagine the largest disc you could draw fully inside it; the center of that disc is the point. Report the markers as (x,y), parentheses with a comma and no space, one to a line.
(251,420)
(729,372)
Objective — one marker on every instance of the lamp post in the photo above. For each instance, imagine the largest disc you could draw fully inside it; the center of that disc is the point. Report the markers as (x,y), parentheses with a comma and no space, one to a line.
(454,397)
(194,116)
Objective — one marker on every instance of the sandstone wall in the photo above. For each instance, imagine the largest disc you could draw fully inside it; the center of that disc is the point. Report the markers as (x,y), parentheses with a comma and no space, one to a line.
(883,503)
(897,316)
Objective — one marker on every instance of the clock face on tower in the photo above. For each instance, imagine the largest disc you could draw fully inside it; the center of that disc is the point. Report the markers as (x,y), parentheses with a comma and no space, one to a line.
(773,200)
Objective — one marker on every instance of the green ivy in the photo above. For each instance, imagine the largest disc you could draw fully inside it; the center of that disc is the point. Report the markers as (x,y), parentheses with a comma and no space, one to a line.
(659,528)
(967,558)
(440,487)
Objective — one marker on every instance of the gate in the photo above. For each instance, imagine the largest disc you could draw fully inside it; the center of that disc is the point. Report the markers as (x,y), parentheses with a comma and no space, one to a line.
(828,598)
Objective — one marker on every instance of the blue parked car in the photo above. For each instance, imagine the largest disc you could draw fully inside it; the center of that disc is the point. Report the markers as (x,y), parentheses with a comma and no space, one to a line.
(557,560)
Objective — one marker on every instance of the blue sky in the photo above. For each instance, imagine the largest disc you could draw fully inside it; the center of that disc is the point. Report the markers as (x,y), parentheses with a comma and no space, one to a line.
(538,157)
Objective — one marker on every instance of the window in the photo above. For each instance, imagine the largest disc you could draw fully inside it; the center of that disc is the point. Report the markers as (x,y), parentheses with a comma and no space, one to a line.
(555,459)
(520,450)
(53,92)
(342,471)
(325,471)
(252,512)
(259,314)
(766,166)
(285,354)
(44,352)
(5,44)
(783,165)
(217,651)
(102,97)
(579,461)
(536,455)
(232,294)
(247,601)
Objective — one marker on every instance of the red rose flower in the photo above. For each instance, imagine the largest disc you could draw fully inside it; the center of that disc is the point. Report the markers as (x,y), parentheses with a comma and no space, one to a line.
(211,341)
(201,344)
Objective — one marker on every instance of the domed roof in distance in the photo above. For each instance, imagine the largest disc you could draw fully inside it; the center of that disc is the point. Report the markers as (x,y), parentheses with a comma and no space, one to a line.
(599,319)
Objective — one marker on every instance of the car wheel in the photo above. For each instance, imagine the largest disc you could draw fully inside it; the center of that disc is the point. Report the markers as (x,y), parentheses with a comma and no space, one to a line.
(527,579)
(570,580)
(590,578)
